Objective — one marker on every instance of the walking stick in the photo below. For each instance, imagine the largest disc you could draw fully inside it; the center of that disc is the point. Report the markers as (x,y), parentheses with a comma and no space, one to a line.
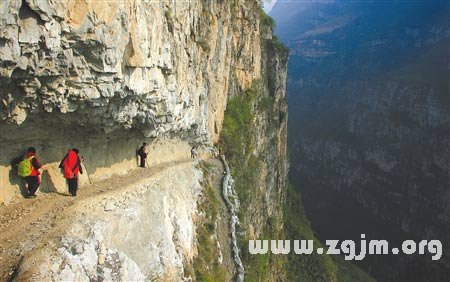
(85,169)
(46,180)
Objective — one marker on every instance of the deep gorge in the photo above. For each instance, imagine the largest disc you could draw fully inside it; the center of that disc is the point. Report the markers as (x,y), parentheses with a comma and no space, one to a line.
(368,92)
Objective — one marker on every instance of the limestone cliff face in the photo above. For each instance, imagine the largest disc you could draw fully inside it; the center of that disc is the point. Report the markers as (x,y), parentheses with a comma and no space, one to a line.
(105,76)
(93,73)
(160,67)
(254,141)
(269,134)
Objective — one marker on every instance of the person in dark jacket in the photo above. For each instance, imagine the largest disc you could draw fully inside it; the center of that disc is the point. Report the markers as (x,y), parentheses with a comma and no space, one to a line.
(142,152)
(71,166)
(34,179)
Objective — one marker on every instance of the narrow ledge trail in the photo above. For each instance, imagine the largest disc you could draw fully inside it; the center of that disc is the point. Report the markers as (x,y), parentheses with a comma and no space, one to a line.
(27,224)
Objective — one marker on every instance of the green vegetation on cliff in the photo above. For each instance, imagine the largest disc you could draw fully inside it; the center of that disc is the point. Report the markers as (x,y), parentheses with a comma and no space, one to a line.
(265,19)
(238,120)
(313,267)
(251,141)
(237,142)
(206,266)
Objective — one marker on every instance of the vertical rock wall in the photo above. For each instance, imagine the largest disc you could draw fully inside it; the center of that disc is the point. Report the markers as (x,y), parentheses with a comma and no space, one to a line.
(254,141)
(105,76)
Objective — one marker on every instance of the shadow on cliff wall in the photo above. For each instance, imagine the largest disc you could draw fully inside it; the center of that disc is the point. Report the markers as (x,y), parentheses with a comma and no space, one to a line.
(54,134)
(46,183)
(14,179)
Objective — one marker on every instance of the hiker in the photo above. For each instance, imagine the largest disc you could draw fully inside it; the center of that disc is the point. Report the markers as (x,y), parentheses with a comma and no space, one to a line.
(142,152)
(193,153)
(71,166)
(29,169)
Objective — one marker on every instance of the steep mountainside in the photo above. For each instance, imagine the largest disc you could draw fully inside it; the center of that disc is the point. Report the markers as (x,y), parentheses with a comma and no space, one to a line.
(368,91)
(105,76)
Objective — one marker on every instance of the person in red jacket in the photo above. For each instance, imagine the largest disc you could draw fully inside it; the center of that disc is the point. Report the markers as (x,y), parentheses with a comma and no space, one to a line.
(34,179)
(71,166)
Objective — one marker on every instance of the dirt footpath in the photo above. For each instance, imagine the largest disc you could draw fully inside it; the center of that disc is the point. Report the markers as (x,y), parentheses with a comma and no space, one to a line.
(27,224)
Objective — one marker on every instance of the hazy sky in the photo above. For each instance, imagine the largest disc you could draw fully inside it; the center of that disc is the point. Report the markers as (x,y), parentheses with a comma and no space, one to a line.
(268,4)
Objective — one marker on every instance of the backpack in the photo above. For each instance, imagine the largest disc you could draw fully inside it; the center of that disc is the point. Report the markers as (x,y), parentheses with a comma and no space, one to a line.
(24,169)
(67,170)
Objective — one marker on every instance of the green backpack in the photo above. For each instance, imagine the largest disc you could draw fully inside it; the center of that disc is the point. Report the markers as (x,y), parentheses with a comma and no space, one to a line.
(24,168)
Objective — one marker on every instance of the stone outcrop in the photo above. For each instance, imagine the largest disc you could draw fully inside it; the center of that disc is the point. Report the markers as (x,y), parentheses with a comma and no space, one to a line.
(160,67)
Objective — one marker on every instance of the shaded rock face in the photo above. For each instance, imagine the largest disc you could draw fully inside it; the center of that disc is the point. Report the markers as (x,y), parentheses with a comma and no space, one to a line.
(369,125)
(87,74)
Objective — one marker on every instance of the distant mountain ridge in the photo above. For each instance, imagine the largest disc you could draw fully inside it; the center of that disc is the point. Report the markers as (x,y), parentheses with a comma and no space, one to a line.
(368,91)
